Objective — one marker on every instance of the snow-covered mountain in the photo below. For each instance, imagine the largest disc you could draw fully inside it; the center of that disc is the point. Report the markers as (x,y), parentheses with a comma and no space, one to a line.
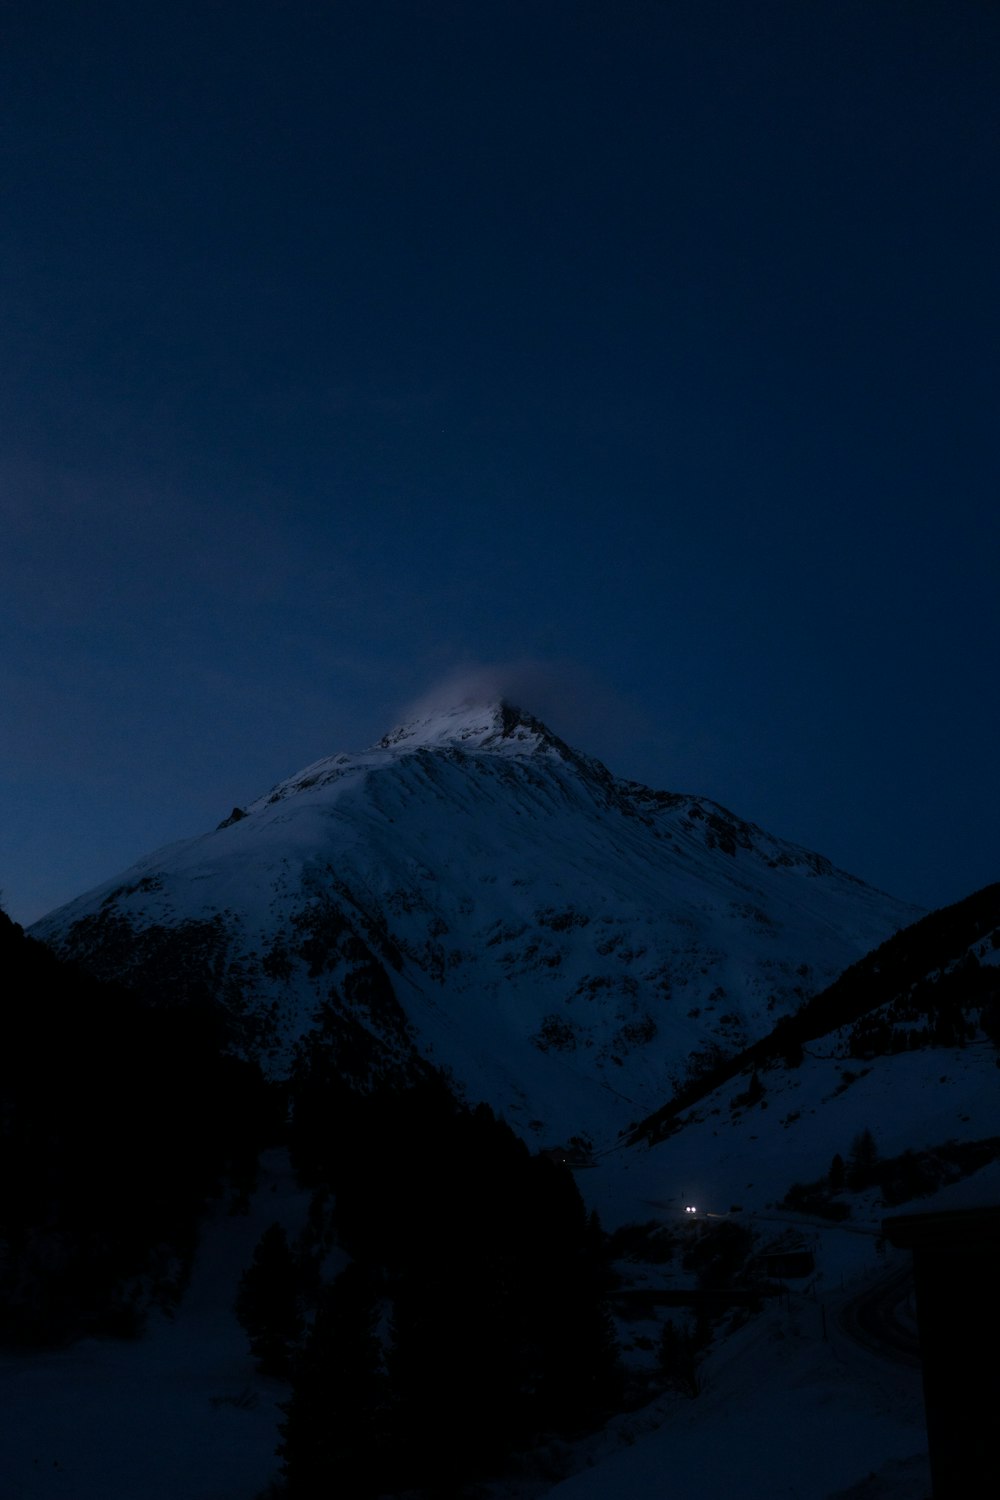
(473,890)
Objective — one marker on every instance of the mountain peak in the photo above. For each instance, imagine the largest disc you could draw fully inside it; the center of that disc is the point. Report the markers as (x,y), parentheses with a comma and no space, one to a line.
(496,725)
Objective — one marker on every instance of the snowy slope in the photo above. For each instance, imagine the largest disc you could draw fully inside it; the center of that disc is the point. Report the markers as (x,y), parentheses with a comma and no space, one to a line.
(725,1154)
(941,1088)
(785,1413)
(473,890)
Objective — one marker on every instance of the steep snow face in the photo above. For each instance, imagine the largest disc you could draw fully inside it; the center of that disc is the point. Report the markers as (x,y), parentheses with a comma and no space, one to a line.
(472,890)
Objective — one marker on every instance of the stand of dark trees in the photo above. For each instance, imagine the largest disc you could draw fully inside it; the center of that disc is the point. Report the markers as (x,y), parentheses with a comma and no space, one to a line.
(118,1122)
(900,1179)
(473,1316)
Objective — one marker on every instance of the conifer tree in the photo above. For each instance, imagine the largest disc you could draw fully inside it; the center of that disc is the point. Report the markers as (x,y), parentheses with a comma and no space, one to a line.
(678,1357)
(267,1303)
(861,1160)
(336,1436)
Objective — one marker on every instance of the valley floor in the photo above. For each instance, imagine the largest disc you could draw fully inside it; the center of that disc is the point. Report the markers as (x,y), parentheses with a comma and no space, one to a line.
(784,1414)
(178,1413)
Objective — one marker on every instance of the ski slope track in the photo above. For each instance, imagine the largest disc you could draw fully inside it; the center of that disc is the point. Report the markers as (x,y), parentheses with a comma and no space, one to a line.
(473,891)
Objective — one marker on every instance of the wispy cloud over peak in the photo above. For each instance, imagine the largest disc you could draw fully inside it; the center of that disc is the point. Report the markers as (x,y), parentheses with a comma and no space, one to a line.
(570,698)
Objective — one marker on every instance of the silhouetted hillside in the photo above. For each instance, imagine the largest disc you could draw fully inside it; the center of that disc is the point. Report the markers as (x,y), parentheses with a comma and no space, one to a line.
(117,1122)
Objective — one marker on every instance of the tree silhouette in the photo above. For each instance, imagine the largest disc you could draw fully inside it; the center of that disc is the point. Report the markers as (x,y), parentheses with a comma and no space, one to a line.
(336,1436)
(861,1160)
(267,1303)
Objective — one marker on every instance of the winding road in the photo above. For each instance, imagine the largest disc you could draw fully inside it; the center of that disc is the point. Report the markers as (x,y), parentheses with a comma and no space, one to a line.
(880,1317)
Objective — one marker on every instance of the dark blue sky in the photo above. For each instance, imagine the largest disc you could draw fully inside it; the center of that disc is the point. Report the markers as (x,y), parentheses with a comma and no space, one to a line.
(649,349)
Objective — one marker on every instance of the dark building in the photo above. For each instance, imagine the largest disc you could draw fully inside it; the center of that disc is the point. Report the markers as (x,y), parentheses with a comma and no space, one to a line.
(956,1260)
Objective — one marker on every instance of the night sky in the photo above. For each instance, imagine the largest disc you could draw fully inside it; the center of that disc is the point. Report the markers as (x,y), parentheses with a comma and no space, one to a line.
(639,359)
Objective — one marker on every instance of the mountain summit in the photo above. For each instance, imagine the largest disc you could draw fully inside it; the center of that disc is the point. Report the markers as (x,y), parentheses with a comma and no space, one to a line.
(497,727)
(473,891)
(478,726)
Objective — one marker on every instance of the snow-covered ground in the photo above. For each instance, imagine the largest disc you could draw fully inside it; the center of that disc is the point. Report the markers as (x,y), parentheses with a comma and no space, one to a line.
(180,1414)
(784,1414)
